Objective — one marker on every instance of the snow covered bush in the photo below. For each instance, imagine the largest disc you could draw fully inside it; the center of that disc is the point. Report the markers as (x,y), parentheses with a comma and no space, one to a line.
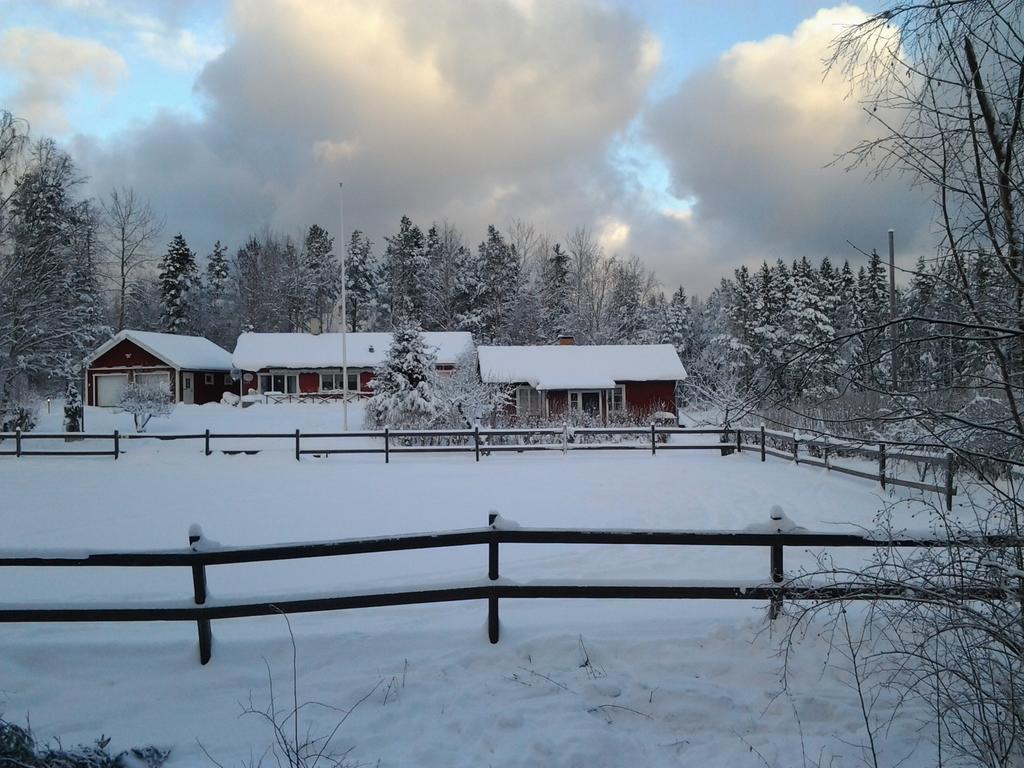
(19,748)
(468,401)
(17,414)
(406,390)
(72,409)
(144,401)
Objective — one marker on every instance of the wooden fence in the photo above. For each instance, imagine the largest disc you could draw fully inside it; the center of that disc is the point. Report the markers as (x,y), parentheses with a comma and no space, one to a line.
(885,455)
(199,555)
(483,442)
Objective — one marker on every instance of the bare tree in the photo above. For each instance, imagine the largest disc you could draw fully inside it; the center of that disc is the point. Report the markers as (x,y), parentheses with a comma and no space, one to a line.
(130,228)
(944,84)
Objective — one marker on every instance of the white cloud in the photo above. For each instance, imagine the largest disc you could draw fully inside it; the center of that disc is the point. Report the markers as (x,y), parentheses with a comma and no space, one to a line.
(50,68)
(751,141)
(476,111)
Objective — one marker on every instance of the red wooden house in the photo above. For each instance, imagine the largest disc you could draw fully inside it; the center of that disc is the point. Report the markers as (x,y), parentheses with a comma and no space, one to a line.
(196,369)
(598,381)
(311,364)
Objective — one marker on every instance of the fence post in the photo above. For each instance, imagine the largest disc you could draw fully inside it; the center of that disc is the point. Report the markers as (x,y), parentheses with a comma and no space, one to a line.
(739,440)
(654,444)
(950,470)
(117,444)
(881,464)
(17,442)
(824,453)
(297,440)
(776,567)
(195,535)
(387,445)
(492,574)
(762,442)
(796,449)
(207,446)
(476,441)
(565,437)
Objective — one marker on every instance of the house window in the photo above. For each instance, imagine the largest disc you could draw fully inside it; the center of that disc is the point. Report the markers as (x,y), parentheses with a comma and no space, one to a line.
(617,399)
(529,401)
(208,378)
(152,379)
(332,382)
(287,383)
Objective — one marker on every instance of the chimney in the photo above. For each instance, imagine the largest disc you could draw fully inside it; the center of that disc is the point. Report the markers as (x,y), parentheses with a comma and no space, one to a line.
(566,340)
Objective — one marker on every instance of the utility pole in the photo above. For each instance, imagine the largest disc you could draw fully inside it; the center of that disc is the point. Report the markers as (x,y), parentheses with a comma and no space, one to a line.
(344,310)
(894,358)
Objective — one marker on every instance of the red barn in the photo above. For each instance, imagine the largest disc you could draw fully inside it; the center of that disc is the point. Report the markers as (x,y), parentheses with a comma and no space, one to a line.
(197,370)
(600,381)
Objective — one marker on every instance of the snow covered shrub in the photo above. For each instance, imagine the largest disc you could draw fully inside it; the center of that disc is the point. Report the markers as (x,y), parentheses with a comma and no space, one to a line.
(466,400)
(144,401)
(17,415)
(405,386)
(72,409)
(19,748)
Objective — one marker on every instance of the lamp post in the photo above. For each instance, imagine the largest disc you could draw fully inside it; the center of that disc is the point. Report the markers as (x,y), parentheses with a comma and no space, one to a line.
(344,310)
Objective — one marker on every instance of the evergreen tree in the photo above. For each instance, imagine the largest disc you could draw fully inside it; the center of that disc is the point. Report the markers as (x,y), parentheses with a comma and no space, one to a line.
(219,314)
(556,295)
(405,385)
(73,410)
(500,269)
(178,279)
(812,373)
(360,281)
(321,274)
(84,306)
(401,292)
(677,328)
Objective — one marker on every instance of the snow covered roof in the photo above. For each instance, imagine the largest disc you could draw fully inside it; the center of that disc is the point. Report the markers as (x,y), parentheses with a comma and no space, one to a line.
(570,366)
(256,351)
(188,352)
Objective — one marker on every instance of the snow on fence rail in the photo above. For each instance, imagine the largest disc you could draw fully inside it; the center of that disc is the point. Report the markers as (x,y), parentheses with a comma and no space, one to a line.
(483,442)
(778,534)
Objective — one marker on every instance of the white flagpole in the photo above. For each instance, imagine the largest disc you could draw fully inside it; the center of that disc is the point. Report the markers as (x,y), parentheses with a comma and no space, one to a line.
(344,310)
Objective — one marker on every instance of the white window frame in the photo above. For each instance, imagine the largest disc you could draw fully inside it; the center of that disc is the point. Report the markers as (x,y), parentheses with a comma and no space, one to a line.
(620,390)
(286,376)
(337,380)
(533,399)
(577,395)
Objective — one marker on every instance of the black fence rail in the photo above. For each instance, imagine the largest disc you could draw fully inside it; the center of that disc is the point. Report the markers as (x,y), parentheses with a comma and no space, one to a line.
(200,555)
(824,452)
(817,452)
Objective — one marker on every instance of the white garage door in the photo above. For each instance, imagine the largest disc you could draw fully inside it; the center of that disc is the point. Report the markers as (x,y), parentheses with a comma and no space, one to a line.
(109,389)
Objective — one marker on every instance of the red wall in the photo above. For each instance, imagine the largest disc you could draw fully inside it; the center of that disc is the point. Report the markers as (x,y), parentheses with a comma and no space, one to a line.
(309,382)
(126,355)
(212,393)
(651,395)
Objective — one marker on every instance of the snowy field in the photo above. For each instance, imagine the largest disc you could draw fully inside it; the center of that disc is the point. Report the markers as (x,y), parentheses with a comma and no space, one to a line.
(667,683)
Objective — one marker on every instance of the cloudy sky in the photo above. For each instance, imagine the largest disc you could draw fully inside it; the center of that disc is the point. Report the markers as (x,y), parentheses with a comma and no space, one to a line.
(697,134)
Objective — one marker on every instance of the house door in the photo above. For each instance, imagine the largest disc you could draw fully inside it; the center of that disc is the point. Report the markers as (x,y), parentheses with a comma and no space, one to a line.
(588,402)
(188,395)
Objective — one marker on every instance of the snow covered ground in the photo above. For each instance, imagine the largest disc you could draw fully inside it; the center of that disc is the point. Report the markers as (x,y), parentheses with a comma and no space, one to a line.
(667,683)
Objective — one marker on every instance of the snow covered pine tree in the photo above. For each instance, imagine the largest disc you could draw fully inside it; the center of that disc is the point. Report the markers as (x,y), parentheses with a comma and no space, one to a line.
(405,385)
(178,281)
